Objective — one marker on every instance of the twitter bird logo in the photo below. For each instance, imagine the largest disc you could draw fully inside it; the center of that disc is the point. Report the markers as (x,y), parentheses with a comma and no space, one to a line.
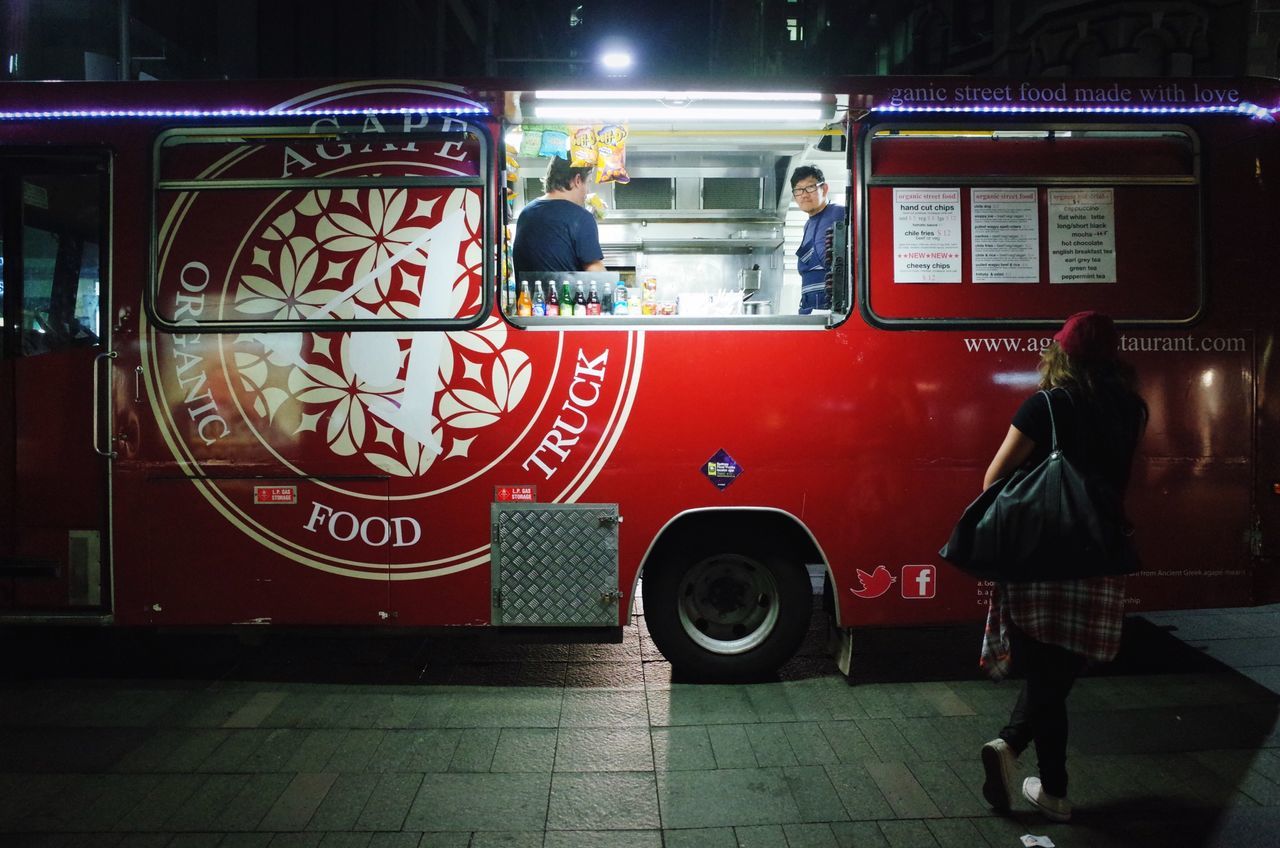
(874,584)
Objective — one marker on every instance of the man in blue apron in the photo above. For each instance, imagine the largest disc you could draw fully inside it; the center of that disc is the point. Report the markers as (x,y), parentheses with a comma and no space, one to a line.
(809,188)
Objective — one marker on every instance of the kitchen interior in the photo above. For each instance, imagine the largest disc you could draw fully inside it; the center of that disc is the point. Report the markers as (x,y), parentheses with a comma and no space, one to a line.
(705,228)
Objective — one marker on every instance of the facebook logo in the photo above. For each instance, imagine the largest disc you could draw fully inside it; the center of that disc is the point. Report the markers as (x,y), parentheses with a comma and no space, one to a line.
(918,581)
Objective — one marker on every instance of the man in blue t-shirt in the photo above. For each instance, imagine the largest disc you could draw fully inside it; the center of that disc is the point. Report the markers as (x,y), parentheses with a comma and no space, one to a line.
(556,232)
(809,188)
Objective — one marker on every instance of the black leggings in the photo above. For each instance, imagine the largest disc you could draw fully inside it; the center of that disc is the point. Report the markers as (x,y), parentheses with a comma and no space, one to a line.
(1040,715)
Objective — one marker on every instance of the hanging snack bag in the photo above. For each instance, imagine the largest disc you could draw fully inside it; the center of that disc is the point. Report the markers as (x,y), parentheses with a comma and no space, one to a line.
(582,147)
(611,149)
(555,142)
(530,141)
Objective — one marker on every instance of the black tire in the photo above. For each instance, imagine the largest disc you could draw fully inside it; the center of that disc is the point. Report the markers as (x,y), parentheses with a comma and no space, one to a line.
(727,615)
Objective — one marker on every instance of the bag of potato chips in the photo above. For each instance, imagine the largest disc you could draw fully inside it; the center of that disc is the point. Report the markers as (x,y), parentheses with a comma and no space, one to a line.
(611,154)
(582,147)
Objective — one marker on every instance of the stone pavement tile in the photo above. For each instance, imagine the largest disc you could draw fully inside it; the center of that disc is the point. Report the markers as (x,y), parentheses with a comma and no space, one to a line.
(400,712)
(295,710)
(859,834)
(416,750)
(458,801)
(626,651)
(792,700)
(252,803)
(531,749)
(202,810)
(657,672)
(400,839)
(700,837)
(956,833)
(963,736)
(951,796)
(603,801)
(1004,831)
(685,703)
(886,740)
(944,700)
(848,742)
(731,746)
(858,792)
(446,839)
(1266,676)
(508,839)
(127,840)
(502,707)
(152,751)
(603,839)
(277,750)
(246,840)
(355,751)
(876,701)
(604,675)
(207,708)
(927,743)
(121,793)
(475,749)
(760,836)
(20,793)
(63,811)
(69,750)
(684,748)
(908,834)
(367,709)
(1245,653)
(328,710)
(725,798)
(604,749)
(815,797)
(296,840)
(161,802)
(987,698)
(315,750)
(1237,768)
(809,836)
(809,744)
(389,803)
(344,840)
(255,710)
(196,840)
(295,806)
(234,750)
(904,793)
(770,746)
(341,805)
(605,708)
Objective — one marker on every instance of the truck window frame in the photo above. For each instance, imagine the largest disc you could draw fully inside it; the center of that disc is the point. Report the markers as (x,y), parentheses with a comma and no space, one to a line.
(866,179)
(478,128)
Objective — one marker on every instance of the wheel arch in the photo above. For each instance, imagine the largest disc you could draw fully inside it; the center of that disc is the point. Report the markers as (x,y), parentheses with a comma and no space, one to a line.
(781,529)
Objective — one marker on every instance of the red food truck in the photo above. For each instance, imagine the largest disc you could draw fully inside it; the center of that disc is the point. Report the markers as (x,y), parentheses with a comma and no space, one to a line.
(265,362)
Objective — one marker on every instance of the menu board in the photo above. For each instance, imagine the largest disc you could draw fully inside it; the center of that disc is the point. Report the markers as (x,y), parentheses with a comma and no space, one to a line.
(1082,235)
(1004,228)
(926,235)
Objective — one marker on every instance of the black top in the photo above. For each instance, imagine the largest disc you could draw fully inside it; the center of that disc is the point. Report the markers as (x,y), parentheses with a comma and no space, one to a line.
(555,235)
(1099,439)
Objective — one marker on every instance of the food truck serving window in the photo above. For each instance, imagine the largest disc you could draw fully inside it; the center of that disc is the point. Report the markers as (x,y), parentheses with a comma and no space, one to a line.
(1021,225)
(378,225)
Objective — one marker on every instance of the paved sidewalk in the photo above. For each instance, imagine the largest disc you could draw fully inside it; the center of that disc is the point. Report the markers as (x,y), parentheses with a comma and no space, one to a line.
(312,740)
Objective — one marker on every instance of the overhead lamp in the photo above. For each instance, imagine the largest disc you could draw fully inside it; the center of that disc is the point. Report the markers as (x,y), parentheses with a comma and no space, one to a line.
(616,60)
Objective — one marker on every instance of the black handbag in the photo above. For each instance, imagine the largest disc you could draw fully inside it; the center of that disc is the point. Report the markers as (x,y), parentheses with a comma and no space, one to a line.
(1050,522)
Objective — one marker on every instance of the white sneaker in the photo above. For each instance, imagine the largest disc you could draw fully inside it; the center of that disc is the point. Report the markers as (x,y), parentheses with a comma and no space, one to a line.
(1054,808)
(999,763)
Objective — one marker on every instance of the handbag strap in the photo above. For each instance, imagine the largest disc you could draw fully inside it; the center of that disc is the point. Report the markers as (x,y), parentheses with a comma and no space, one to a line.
(1053,427)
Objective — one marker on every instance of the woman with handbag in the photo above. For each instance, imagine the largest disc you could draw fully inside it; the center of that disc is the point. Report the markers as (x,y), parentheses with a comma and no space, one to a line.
(1048,630)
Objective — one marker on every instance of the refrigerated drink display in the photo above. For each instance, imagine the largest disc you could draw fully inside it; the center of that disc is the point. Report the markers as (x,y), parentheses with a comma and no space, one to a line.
(593,300)
(524,308)
(579,302)
(539,300)
(566,299)
(620,305)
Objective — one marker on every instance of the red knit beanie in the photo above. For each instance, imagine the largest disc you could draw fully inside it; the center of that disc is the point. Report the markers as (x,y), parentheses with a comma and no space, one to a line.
(1088,335)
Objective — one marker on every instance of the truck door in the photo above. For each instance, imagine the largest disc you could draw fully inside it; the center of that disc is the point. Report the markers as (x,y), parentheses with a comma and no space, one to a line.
(53,303)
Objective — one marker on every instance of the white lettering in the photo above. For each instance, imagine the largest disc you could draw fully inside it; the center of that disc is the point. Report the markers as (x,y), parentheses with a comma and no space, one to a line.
(374,530)
(584,393)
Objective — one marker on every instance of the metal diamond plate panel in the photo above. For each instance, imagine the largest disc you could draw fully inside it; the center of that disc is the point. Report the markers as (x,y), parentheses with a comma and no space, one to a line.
(555,564)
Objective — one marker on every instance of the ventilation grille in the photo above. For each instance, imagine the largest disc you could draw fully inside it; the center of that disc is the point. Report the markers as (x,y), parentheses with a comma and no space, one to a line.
(645,193)
(731,193)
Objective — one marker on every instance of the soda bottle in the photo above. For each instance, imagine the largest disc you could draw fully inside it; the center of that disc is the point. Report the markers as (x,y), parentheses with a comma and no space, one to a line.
(524,308)
(553,302)
(566,300)
(579,302)
(593,301)
(620,306)
(539,300)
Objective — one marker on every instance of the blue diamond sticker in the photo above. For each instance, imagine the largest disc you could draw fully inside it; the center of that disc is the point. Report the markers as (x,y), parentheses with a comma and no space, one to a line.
(721,470)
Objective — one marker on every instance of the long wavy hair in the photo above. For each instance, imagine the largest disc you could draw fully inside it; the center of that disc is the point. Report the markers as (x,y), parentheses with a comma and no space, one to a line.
(1109,387)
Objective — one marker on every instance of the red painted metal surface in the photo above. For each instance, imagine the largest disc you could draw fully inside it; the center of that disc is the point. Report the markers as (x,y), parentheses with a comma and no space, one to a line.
(872,439)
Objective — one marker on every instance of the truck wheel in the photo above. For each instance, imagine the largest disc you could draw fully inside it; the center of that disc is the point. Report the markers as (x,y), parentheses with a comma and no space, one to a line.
(727,615)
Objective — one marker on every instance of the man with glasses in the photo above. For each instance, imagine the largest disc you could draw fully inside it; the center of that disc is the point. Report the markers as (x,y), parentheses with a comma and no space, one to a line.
(809,188)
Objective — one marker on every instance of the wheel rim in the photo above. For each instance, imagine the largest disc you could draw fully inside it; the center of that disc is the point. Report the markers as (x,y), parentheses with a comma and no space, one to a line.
(728,604)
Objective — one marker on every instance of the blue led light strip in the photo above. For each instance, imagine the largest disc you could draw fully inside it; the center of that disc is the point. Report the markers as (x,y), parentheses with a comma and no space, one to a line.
(1250,109)
(237,113)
